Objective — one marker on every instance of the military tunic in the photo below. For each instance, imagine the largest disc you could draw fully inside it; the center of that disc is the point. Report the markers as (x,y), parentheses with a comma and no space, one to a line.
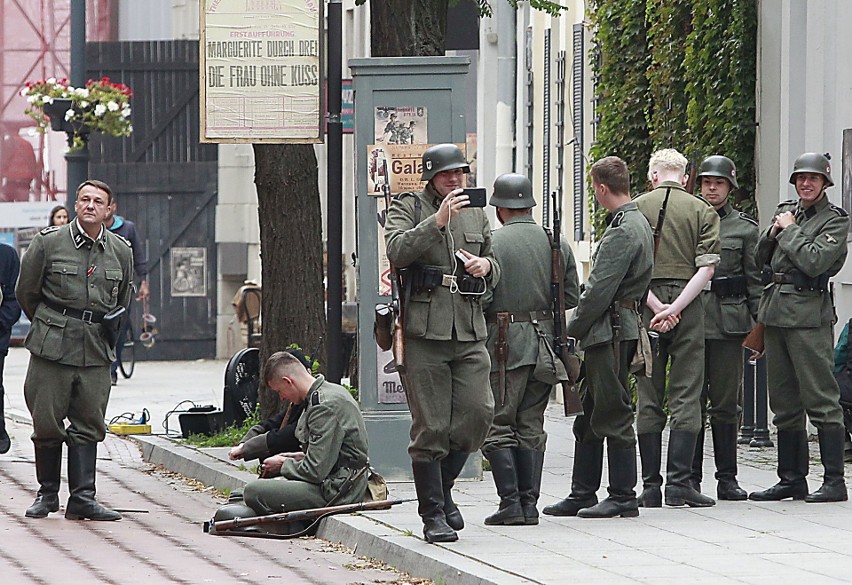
(447,365)
(522,249)
(68,374)
(799,339)
(334,440)
(623,264)
(727,319)
(689,240)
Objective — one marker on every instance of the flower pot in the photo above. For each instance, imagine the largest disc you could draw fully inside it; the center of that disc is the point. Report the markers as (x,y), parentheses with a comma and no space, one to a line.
(56,112)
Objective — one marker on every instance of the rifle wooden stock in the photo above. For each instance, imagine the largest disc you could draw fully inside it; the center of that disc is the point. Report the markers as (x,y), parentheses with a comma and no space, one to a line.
(214,527)
(755,341)
(399,345)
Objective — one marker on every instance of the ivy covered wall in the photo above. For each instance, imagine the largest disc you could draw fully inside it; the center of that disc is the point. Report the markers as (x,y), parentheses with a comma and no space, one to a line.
(676,73)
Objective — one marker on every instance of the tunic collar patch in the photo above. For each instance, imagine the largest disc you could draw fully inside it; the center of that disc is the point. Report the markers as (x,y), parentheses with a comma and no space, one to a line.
(724,210)
(80,237)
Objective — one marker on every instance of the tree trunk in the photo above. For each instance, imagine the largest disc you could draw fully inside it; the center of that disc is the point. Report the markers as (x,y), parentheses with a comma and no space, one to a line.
(405,28)
(291,253)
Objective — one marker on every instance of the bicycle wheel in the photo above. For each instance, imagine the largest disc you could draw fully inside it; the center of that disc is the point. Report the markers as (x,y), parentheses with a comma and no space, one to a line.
(128,353)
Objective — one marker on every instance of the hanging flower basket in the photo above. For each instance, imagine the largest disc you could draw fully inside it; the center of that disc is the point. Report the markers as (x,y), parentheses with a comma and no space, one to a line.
(101,106)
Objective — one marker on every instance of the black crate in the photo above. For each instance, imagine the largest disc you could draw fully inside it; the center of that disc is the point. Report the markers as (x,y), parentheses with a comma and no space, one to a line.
(201,423)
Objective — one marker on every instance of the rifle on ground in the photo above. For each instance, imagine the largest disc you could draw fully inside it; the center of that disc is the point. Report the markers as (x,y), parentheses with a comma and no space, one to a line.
(231,527)
(396,304)
(563,345)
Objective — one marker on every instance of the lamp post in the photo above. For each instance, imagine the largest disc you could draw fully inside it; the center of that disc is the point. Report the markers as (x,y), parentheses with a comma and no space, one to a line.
(78,160)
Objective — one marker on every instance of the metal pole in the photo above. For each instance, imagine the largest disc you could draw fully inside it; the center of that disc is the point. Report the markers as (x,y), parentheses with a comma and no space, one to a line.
(334,183)
(761,408)
(77,161)
(747,428)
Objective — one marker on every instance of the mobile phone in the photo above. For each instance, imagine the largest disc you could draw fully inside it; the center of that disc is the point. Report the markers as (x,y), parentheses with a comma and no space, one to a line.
(476,196)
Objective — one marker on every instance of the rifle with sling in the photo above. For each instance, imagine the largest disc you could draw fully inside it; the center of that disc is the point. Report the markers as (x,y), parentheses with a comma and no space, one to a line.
(397,302)
(562,346)
(501,351)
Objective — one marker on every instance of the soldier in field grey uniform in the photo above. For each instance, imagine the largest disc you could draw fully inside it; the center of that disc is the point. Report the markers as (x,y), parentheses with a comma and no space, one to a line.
(71,277)
(801,250)
(334,445)
(446,363)
(523,300)
(607,321)
(685,260)
(730,305)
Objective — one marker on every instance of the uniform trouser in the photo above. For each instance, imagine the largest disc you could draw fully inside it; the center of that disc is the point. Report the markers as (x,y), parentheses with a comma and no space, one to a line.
(276,495)
(799,364)
(519,421)
(607,413)
(55,391)
(723,380)
(684,345)
(449,396)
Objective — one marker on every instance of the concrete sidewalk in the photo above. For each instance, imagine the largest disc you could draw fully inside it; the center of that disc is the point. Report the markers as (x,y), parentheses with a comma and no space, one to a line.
(733,542)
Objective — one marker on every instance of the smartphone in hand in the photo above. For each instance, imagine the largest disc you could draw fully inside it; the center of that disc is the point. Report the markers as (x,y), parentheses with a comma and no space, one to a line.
(476,196)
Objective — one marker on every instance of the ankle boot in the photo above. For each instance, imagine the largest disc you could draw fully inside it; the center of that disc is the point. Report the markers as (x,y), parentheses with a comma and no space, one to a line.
(831,440)
(451,467)
(585,480)
(505,476)
(725,454)
(698,462)
(651,453)
(622,479)
(82,460)
(48,468)
(529,464)
(792,469)
(679,490)
(430,495)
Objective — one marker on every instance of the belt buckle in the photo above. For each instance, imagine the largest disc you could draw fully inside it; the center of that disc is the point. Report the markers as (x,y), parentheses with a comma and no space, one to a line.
(448,280)
(86,317)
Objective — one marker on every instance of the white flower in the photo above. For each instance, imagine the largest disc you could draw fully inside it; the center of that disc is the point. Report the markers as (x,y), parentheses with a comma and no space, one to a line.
(69,114)
(112,106)
(23,92)
(48,99)
(84,104)
(52,80)
(100,110)
(32,98)
(82,92)
(125,112)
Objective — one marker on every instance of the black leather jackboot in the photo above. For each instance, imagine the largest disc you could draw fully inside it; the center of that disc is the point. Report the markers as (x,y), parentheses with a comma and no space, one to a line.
(792,469)
(831,445)
(585,481)
(430,495)
(679,490)
(622,481)
(82,505)
(651,454)
(529,464)
(505,476)
(451,467)
(725,454)
(48,462)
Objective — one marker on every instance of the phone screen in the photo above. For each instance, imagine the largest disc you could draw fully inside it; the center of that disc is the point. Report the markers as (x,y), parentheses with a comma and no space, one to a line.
(476,195)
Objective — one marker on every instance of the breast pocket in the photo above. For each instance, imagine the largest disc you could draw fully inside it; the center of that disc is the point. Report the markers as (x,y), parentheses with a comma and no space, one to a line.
(63,274)
(473,242)
(732,258)
(109,291)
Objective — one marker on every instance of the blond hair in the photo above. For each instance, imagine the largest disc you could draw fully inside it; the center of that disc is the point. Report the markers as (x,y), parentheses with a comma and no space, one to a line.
(667,160)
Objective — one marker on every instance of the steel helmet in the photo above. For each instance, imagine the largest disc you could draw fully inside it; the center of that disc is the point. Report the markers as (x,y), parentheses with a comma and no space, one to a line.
(719,166)
(512,191)
(812,162)
(233,511)
(442,157)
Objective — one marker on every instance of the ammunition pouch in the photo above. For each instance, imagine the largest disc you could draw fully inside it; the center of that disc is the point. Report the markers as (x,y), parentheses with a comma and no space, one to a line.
(797,278)
(729,286)
(420,278)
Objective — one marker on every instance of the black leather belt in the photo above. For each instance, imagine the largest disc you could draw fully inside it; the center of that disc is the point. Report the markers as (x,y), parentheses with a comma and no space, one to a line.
(525,317)
(86,316)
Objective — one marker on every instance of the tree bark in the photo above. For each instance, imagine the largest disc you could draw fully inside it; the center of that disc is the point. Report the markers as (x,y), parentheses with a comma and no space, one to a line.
(291,253)
(405,28)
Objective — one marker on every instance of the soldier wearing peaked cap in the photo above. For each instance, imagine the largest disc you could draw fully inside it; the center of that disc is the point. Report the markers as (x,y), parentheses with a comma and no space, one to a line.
(519,313)
(803,248)
(71,278)
(730,306)
(446,363)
